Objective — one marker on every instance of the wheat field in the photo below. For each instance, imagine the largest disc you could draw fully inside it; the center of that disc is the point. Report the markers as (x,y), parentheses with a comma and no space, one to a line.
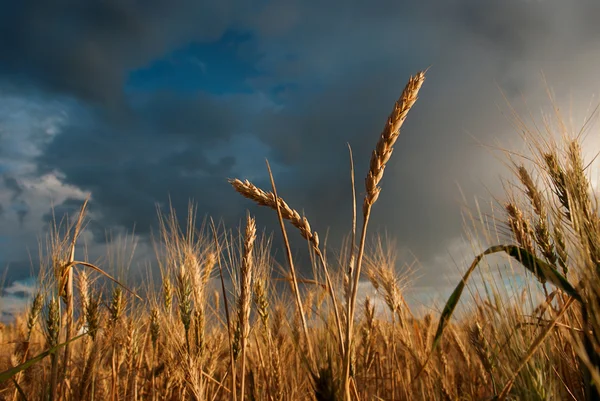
(216,325)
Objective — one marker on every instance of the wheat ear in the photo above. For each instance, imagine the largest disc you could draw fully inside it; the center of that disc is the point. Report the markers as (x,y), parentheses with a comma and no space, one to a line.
(263,198)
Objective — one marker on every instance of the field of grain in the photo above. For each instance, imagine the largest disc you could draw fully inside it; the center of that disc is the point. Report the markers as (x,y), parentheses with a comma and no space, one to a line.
(216,326)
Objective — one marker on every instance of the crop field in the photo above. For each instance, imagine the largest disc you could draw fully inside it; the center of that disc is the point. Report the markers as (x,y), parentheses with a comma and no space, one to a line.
(225,320)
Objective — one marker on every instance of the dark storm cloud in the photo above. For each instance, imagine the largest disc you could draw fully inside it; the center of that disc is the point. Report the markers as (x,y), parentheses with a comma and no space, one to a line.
(22,212)
(13,185)
(475,48)
(342,65)
(69,207)
(87,49)
(162,151)
(62,216)
(19,206)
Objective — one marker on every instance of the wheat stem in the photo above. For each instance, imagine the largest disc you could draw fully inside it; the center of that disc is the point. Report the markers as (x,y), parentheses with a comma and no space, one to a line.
(379,158)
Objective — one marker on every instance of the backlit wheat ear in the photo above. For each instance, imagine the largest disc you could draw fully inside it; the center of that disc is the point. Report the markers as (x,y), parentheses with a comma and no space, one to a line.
(34,313)
(542,234)
(532,192)
(52,334)
(520,226)
(246,272)
(561,246)
(167,291)
(385,146)
(154,327)
(83,283)
(559,181)
(263,198)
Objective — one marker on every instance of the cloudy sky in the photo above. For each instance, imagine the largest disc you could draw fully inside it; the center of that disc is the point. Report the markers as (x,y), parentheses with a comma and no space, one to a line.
(133,102)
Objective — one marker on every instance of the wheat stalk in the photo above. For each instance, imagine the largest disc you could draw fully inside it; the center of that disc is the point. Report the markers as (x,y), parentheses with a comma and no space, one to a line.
(245,293)
(268,199)
(32,318)
(379,159)
(226,306)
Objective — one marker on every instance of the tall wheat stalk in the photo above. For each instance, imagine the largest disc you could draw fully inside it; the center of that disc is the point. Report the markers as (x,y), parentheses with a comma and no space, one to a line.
(244,301)
(306,229)
(379,159)
(63,255)
(227,314)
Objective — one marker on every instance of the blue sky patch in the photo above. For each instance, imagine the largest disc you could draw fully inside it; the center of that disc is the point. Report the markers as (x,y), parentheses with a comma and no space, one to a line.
(219,67)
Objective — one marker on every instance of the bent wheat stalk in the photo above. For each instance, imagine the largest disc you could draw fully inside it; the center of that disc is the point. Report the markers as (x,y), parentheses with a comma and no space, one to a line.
(291,264)
(263,198)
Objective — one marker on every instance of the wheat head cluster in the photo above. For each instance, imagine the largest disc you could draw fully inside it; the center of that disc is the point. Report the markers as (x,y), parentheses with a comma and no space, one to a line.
(226,321)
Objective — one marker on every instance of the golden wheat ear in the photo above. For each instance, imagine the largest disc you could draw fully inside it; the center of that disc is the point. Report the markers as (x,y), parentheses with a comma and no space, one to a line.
(385,146)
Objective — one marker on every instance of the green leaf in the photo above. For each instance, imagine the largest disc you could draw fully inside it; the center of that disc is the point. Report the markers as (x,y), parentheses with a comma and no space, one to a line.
(7,374)
(543,272)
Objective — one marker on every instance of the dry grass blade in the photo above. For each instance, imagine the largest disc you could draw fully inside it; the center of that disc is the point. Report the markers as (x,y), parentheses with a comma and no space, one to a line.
(351,256)
(227,315)
(99,270)
(303,281)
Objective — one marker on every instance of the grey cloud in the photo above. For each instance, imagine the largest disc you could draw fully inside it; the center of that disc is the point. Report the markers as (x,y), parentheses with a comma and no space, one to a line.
(162,151)
(86,49)
(13,185)
(22,212)
(342,66)
(20,207)
(476,48)
(61,217)
(58,213)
